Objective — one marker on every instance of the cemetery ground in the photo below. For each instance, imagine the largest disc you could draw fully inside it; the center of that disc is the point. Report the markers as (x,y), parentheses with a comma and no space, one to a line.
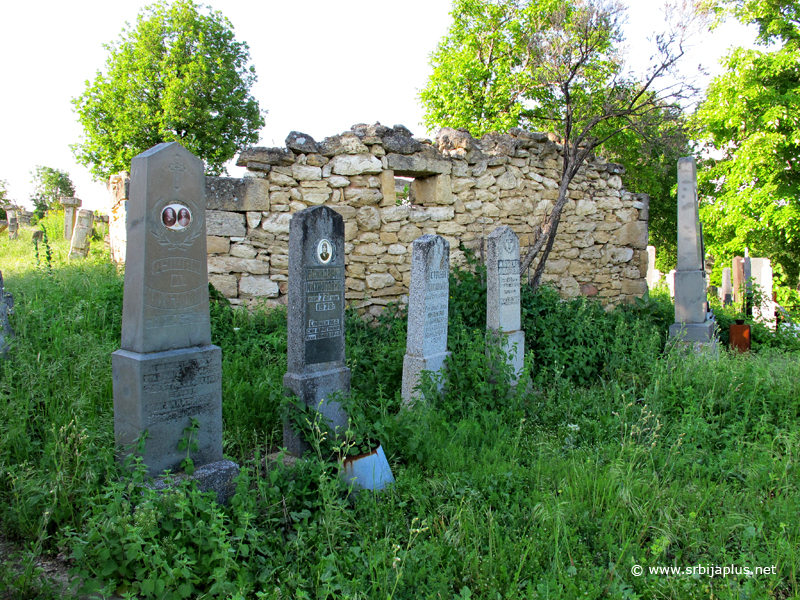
(615,453)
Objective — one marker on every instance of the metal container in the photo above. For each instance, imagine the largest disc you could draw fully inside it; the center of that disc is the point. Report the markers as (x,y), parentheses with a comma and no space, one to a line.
(739,336)
(368,471)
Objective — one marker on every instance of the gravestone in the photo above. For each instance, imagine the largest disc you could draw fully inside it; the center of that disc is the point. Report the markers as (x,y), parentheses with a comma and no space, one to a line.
(670,280)
(502,293)
(71,206)
(737,276)
(748,284)
(764,307)
(6,308)
(693,321)
(653,275)
(316,360)
(428,306)
(167,371)
(726,291)
(13,223)
(81,235)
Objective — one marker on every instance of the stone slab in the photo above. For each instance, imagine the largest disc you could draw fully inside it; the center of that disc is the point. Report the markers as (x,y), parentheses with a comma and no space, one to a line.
(502,280)
(726,290)
(165,302)
(237,195)
(690,297)
(218,477)
(159,392)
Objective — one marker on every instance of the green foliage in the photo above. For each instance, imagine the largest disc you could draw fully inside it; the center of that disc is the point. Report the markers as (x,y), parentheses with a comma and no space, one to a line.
(750,180)
(3,197)
(553,488)
(50,185)
(178,75)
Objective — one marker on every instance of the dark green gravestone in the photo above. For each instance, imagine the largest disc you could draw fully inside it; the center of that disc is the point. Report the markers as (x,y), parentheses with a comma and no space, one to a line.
(316,360)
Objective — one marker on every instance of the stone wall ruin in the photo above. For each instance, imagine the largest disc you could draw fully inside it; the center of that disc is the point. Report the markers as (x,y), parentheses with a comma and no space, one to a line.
(458,187)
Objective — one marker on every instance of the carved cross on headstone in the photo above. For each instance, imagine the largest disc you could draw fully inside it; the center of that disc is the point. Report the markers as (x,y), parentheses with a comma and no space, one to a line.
(177,172)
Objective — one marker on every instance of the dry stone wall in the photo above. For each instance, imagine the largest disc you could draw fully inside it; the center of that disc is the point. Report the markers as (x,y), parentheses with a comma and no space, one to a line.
(458,187)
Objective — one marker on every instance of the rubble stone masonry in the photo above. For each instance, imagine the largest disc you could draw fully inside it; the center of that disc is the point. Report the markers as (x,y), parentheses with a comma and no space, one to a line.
(460,188)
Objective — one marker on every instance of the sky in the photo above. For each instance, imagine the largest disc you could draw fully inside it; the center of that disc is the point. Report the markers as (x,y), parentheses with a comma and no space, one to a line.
(322,66)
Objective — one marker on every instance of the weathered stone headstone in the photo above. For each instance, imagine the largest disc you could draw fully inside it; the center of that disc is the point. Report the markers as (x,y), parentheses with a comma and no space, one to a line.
(726,291)
(670,279)
(693,322)
(118,188)
(71,206)
(748,284)
(316,359)
(763,311)
(167,371)
(737,275)
(13,223)
(6,308)
(653,275)
(81,235)
(502,293)
(428,306)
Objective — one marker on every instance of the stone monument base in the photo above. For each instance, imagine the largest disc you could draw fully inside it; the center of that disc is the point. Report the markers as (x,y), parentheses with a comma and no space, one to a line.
(694,332)
(218,477)
(159,392)
(313,388)
(414,365)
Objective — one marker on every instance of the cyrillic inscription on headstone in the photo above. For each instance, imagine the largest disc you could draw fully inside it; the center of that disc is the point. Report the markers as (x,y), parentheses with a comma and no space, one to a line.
(324,306)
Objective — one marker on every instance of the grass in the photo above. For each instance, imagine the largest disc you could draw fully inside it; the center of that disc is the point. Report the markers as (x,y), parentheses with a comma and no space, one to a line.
(556,488)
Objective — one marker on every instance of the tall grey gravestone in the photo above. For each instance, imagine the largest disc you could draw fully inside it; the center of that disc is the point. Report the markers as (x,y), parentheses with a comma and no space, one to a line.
(502,293)
(167,371)
(726,292)
(693,322)
(428,306)
(316,360)
(13,223)
(81,235)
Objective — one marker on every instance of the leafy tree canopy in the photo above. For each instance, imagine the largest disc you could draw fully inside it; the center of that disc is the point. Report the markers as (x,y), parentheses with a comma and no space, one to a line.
(557,66)
(178,75)
(50,185)
(3,196)
(750,125)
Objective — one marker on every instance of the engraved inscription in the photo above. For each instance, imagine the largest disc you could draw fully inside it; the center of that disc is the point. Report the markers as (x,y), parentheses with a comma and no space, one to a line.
(324,293)
(436,306)
(180,389)
(176,263)
(508,278)
(162,321)
(175,301)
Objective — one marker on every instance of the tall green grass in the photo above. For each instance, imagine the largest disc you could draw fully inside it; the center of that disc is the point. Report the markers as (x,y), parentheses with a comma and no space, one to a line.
(609,452)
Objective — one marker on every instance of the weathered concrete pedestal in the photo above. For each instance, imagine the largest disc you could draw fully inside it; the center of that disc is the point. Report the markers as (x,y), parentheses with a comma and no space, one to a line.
(158,391)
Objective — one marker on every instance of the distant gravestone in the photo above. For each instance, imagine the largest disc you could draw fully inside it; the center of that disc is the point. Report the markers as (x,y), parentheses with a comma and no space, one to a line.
(6,307)
(167,371)
(748,284)
(502,293)
(81,235)
(71,206)
(653,275)
(737,276)
(428,306)
(316,359)
(670,279)
(764,309)
(726,291)
(13,223)
(693,322)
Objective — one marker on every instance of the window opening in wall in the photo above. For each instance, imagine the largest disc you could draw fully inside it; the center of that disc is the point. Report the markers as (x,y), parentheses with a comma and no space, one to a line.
(403,187)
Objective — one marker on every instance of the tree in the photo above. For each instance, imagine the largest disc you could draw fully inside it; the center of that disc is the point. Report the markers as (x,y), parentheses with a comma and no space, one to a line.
(556,66)
(50,185)
(750,125)
(179,75)
(3,197)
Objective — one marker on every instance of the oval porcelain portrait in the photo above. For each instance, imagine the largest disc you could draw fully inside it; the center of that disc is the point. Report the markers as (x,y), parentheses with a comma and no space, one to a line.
(176,217)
